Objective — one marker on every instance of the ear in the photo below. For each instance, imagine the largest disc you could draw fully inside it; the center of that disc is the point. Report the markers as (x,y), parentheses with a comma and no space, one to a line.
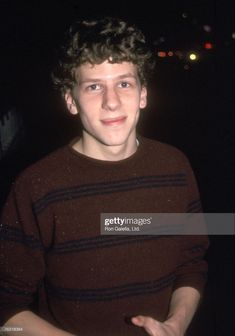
(70,102)
(143,97)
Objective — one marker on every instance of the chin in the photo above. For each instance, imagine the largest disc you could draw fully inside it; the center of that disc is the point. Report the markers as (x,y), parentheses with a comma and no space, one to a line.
(117,139)
(115,142)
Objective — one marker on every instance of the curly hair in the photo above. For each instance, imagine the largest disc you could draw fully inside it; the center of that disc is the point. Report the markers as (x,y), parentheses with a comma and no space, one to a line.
(94,42)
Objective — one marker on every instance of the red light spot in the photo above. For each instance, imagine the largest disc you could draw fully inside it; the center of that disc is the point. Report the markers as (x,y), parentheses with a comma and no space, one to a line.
(161,54)
(208,45)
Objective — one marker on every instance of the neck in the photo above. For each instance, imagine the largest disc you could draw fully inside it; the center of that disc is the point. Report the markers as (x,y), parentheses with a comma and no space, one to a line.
(96,150)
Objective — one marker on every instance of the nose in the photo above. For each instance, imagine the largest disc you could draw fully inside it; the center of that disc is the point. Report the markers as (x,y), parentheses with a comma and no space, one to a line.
(111,99)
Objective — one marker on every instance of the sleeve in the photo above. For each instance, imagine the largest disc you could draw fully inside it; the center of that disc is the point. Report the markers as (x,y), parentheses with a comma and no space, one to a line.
(192,267)
(22,264)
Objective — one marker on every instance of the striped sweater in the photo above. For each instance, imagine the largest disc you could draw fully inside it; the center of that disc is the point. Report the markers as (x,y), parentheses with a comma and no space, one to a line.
(55,262)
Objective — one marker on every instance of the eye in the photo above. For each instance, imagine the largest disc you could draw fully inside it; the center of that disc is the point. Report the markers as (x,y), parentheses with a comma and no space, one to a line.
(124,85)
(94,87)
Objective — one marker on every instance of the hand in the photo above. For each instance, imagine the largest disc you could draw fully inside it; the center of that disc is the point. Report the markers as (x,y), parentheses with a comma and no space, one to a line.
(154,327)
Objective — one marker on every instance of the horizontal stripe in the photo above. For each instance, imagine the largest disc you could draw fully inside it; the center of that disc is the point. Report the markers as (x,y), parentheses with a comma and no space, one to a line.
(97,242)
(191,262)
(8,233)
(194,206)
(14,305)
(14,291)
(102,188)
(197,248)
(111,293)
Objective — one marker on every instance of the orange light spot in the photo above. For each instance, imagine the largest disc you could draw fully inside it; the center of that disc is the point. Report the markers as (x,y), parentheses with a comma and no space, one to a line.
(161,54)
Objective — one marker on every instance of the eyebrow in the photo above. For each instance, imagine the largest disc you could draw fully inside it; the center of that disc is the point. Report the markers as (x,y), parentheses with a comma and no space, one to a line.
(89,80)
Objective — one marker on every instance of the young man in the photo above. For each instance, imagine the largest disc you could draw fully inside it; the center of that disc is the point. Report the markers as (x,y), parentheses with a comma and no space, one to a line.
(59,275)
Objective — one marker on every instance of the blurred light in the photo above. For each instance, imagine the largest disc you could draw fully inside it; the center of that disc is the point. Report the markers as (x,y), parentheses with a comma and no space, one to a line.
(233,36)
(193,57)
(186,67)
(207,28)
(184,15)
(208,45)
(161,54)
(179,54)
(162,39)
(170,53)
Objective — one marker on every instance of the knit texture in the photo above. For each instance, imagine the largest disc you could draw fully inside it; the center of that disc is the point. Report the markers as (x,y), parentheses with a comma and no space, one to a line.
(55,262)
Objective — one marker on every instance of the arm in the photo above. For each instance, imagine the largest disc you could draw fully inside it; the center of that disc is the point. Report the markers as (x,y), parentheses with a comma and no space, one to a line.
(33,325)
(22,264)
(183,305)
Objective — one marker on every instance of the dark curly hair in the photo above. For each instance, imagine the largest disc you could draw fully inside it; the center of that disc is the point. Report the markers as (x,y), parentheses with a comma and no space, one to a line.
(94,42)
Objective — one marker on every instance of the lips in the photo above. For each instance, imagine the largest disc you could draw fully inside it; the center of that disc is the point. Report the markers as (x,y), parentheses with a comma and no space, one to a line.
(113,121)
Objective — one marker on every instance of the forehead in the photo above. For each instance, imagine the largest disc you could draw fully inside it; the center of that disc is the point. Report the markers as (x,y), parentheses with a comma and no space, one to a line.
(105,71)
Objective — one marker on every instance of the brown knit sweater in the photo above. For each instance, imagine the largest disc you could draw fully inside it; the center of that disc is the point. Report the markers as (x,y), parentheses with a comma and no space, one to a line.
(54,260)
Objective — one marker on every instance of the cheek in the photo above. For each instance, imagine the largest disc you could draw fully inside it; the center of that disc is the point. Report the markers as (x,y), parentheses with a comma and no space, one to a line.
(89,120)
(132,101)
(87,110)
(86,118)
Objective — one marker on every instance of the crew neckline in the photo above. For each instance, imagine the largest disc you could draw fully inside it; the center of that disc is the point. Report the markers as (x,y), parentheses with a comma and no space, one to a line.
(88,159)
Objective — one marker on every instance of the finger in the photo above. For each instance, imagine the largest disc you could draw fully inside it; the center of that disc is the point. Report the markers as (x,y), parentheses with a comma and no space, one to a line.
(146,322)
(140,321)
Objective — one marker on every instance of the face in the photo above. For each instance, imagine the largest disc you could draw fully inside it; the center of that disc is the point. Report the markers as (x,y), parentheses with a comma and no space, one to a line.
(108,98)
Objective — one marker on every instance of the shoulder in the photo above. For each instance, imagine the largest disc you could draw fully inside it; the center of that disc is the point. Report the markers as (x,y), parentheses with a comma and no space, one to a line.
(164,153)
(167,160)
(45,170)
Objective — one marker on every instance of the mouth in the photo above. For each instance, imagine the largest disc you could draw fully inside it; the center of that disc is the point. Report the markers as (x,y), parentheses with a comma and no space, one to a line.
(113,121)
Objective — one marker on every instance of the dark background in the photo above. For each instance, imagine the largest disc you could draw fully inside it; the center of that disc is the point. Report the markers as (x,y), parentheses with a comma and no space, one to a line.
(190,106)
